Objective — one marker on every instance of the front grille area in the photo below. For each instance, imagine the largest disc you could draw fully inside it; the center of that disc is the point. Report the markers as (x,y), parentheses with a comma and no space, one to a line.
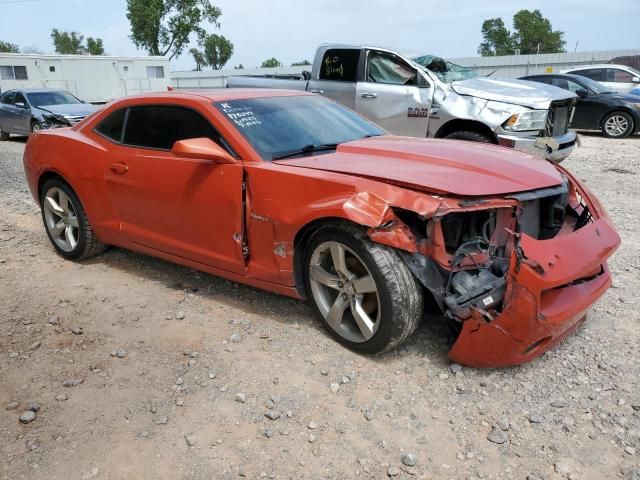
(559,117)
(74,120)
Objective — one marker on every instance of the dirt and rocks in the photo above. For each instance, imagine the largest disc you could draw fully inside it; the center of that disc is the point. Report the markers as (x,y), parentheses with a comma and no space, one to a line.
(130,367)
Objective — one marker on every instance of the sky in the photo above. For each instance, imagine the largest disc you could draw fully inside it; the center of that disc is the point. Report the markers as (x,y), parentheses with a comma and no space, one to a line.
(290,30)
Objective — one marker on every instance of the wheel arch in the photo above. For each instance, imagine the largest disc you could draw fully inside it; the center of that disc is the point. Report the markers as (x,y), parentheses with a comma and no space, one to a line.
(47,175)
(459,124)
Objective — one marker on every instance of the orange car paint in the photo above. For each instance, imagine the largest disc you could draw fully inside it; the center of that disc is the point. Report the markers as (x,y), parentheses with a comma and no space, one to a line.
(191,211)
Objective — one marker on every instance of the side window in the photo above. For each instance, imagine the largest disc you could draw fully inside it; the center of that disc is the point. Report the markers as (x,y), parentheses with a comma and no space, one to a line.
(19,98)
(560,83)
(596,74)
(9,72)
(618,76)
(340,65)
(385,68)
(111,127)
(159,126)
(8,97)
(155,72)
(573,86)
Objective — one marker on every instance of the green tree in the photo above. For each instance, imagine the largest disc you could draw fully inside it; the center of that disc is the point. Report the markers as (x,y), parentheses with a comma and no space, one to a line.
(7,47)
(300,64)
(532,33)
(217,51)
(271,63)
(94,46)
(238,67)
(496,38)
(67,42)
(199,58)
(163,27)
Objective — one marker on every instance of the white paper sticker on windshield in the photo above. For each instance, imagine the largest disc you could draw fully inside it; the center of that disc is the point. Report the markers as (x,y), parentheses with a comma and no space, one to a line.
(488,300)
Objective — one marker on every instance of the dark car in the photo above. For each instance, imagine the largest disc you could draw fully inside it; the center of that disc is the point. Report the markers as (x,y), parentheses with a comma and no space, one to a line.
(24,111)
(617,115)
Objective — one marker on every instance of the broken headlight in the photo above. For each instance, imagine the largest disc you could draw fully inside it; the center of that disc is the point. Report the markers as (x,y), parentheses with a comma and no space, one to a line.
(528,120)
(53,121)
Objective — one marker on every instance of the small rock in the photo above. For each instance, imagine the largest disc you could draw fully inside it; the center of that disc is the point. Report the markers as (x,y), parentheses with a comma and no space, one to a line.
(631,473)
(76,330)
(559,403)
(312,425)
(119,353)
(497,436)
(33,406)
(28,416)
(162,420)
(144,434)
(235,338)
(180,315)
(455,368)
(392,471)
(268,433)
(191,440)
(409,459)
(272,414)
(72,382)
(192,362)
(240,397)
(62,397)
(630,450)
(635,406)
(312,438)
(179,381)
(54,319)
(535,418)
(212,375)
(334,388)
(12,405)
(179,402)
(35,346)
(324,372)
(443,376)
(368,414)
(503,423)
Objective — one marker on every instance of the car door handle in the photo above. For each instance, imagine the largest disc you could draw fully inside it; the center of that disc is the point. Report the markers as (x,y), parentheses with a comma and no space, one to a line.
(319,92)
(368,95)
(119,168)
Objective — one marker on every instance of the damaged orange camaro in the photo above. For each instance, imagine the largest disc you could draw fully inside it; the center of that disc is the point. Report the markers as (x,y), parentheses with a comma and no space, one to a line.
(293,193)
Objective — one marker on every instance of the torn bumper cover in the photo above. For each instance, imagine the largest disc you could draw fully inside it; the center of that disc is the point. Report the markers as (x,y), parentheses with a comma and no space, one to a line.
(550,287)
(555,149)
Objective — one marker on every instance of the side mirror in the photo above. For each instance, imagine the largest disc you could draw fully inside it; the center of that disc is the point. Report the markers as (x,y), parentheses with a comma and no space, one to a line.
(635,80)
(582,92)
(20,105)
(202,148)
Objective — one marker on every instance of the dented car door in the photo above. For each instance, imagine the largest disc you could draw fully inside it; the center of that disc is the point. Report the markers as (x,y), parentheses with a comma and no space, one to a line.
(394,95)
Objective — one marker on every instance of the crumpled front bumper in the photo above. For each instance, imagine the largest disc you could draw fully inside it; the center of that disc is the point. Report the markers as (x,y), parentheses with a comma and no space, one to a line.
(547,297)
(555,149)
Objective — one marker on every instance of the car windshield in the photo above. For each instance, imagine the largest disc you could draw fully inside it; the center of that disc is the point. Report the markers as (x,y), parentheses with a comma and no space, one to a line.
(595,86)
(51,98)
(296,125)
(445,70)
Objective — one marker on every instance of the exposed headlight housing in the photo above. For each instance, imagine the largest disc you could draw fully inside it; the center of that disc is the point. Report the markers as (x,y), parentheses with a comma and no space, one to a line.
(528,120)
(53,121)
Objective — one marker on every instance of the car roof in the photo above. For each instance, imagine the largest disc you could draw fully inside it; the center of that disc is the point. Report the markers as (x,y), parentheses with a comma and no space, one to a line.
(225,94)
(564,75)
(599,65)
(34,90)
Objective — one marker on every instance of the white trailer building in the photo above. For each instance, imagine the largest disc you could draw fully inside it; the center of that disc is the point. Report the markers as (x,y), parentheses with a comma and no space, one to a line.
(95,79)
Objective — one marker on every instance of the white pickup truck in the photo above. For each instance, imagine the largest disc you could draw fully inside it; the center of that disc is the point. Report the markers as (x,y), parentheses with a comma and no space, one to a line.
(433,100)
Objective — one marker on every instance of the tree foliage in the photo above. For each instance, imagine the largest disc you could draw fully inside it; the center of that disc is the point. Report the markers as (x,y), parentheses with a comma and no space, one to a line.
(7,47)
(299,64)
(239,67)
(217,51)
(532,33)
(199,58)
(163,27)
(271,63)
(72,43)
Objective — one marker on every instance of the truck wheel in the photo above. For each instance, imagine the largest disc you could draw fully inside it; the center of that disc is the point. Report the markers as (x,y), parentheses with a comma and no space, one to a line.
(469,136)
(617,125)
(363,292)
(66,222)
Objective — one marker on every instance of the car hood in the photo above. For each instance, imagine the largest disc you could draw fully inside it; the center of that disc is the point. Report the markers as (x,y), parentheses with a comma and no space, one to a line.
(70,110)
(440,166)
(518,92)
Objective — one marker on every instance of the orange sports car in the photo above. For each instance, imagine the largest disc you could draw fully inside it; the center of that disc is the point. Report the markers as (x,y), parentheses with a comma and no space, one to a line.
(293,193)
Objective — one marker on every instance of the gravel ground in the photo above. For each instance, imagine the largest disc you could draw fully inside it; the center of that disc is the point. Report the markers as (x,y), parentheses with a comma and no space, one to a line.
(130,367)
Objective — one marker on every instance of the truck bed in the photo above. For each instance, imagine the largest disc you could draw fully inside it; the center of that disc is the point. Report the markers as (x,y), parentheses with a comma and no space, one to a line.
(288,82)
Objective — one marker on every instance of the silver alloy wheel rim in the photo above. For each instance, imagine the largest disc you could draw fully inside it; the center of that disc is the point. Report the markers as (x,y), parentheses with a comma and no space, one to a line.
(35,128)
(616,125)
(61,219)
(344,291)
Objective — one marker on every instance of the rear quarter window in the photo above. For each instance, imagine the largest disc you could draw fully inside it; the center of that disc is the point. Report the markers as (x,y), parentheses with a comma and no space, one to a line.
(111,127)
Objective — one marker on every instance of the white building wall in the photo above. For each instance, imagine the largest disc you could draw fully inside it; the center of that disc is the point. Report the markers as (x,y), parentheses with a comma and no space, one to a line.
(94,79)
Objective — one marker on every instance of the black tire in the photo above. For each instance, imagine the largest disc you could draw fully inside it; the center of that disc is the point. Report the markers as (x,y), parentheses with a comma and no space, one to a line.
(401,301)
(35,126)
(88,244)
(611,132)
(469,136)
(4,136)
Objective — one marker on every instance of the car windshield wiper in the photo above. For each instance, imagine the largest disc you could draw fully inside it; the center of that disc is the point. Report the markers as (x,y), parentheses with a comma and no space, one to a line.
(311,148)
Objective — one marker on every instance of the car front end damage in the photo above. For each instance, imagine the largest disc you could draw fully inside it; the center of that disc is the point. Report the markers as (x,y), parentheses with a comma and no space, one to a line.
(514,275)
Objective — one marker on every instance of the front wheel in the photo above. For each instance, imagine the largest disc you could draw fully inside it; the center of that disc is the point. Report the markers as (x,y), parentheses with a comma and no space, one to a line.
(617,125)
(36,126)
(469,136)
(363,292)
(66,222)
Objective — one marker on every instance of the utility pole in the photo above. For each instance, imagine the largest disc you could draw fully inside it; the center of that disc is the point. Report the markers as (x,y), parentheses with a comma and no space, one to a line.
(576,49)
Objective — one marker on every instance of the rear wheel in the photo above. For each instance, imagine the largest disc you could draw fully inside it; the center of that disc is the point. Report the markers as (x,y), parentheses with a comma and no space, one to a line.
(617,125)
(469,136)
(66,222)
(363,292)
